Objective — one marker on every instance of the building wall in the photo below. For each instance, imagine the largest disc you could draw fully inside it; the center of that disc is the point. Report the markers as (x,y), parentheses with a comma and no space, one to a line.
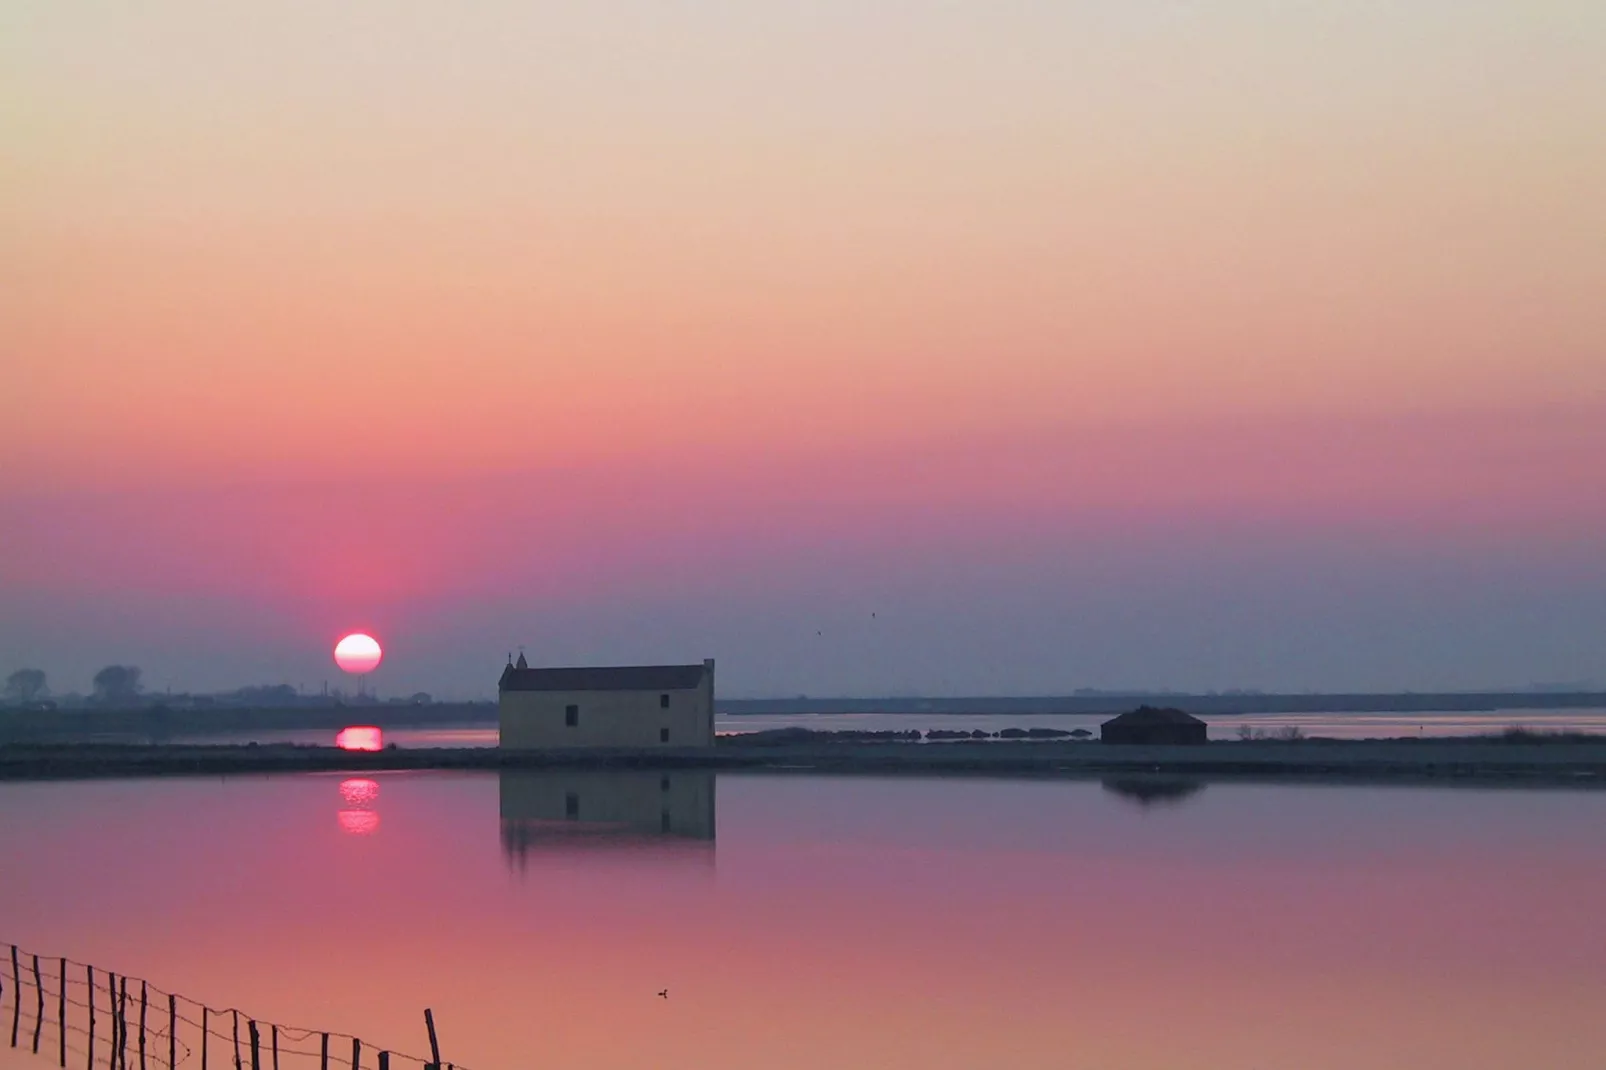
(536,719)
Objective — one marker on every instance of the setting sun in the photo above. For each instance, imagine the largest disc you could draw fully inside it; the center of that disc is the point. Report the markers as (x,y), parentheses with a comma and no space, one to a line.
(358,653)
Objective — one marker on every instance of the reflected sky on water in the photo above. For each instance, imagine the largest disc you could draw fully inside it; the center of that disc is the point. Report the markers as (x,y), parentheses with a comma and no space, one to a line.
(803,921)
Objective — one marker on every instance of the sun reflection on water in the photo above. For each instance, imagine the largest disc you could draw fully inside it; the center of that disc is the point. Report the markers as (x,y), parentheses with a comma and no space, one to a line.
(359,737)
(359,818)
(359,822)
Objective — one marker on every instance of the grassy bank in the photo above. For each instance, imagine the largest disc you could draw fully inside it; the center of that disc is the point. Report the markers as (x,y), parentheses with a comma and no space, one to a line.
(1577,762)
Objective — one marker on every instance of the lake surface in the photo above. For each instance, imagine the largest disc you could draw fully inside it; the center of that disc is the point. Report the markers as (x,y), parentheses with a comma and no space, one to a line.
(1333,725)
(807,922)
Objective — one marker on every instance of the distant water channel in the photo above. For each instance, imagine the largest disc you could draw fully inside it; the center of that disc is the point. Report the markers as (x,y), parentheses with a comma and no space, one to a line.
(803,922)
(1335,725)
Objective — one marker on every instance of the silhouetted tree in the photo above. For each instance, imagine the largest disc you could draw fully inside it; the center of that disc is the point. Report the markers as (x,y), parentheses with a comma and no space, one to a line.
(117,684)
(26,685)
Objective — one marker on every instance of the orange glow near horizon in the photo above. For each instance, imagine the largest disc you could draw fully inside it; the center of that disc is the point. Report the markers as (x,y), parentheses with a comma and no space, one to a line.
(1225,224)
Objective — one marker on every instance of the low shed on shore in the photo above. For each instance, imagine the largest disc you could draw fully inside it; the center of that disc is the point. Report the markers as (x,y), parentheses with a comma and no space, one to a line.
(1153,725)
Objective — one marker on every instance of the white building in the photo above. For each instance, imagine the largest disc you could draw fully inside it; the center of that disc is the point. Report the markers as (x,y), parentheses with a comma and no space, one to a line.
(627,706)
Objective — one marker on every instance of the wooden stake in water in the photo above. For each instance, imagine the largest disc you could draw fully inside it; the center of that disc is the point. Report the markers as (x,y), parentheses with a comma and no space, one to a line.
(61,1012)
(434,1047)
(39,995)
(89,978)
(16,996)
(111,1008)
(122,1021)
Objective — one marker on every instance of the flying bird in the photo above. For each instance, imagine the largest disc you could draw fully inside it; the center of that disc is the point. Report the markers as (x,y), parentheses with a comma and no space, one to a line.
(664,994)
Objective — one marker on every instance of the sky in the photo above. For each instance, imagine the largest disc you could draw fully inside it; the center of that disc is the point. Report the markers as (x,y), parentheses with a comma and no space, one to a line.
(1141,344)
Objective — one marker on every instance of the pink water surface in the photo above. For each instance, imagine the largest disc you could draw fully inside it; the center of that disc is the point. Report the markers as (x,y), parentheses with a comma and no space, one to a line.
(840,922)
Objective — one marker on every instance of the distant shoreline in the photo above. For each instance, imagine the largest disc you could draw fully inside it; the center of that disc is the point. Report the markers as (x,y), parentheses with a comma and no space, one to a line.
(157,721)
(1578,764)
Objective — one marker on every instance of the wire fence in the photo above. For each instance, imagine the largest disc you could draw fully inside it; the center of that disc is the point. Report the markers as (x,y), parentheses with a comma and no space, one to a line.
(102,1020)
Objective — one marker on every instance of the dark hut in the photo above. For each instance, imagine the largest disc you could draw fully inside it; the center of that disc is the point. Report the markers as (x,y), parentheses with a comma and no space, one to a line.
(1153,725)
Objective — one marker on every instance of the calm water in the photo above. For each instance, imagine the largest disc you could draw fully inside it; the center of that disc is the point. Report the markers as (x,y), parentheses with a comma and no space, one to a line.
(808,922)
(1335,725)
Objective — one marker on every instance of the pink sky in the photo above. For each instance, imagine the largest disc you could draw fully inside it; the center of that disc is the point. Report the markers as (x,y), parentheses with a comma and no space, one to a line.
(509,325)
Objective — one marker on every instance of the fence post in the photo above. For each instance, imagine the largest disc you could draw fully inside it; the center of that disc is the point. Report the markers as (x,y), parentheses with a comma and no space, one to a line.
(172,1032)
(275,1048)
(144,1000)
(237,1065)
(61,1008)
(206,1031)
(384,1060)
(434,1047)
(89,978)
(122,1022)
(16,996)
(111,1008)
(323,1054)
(39,995)
(356,1054)
(256,1045)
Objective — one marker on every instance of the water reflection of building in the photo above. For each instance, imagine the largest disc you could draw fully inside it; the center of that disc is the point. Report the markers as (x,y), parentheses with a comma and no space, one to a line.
(573,809)
(1151,790)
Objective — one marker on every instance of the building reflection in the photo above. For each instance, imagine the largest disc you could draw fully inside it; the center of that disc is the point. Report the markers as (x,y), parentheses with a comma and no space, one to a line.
(1149,791)
(671,810)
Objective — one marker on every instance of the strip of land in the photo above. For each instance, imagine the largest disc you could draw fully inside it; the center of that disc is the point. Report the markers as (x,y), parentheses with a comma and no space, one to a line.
(1575,762)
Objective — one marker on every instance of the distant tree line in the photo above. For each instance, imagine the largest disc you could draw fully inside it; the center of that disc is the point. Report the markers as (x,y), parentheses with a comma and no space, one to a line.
(115,685)
(121,686)
(26,686)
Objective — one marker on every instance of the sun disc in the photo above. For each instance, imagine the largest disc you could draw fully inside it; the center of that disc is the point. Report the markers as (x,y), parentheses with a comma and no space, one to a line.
(358,653)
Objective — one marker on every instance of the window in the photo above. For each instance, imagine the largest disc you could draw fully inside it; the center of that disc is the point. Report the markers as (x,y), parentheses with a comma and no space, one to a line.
(663,735)
(663,702)
(571,716)
(571,806)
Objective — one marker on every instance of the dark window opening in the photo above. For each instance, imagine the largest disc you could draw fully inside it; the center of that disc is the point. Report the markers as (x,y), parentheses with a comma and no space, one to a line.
(663,785)
(663,702)
(571,806)
(663,735)
(663,825)
(571,716)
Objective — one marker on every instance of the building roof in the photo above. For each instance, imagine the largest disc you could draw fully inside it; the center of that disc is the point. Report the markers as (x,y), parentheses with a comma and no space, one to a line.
(1148,716)
(605,678)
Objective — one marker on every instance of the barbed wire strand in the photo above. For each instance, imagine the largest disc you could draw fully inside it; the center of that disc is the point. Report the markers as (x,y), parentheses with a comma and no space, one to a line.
(282,1042)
